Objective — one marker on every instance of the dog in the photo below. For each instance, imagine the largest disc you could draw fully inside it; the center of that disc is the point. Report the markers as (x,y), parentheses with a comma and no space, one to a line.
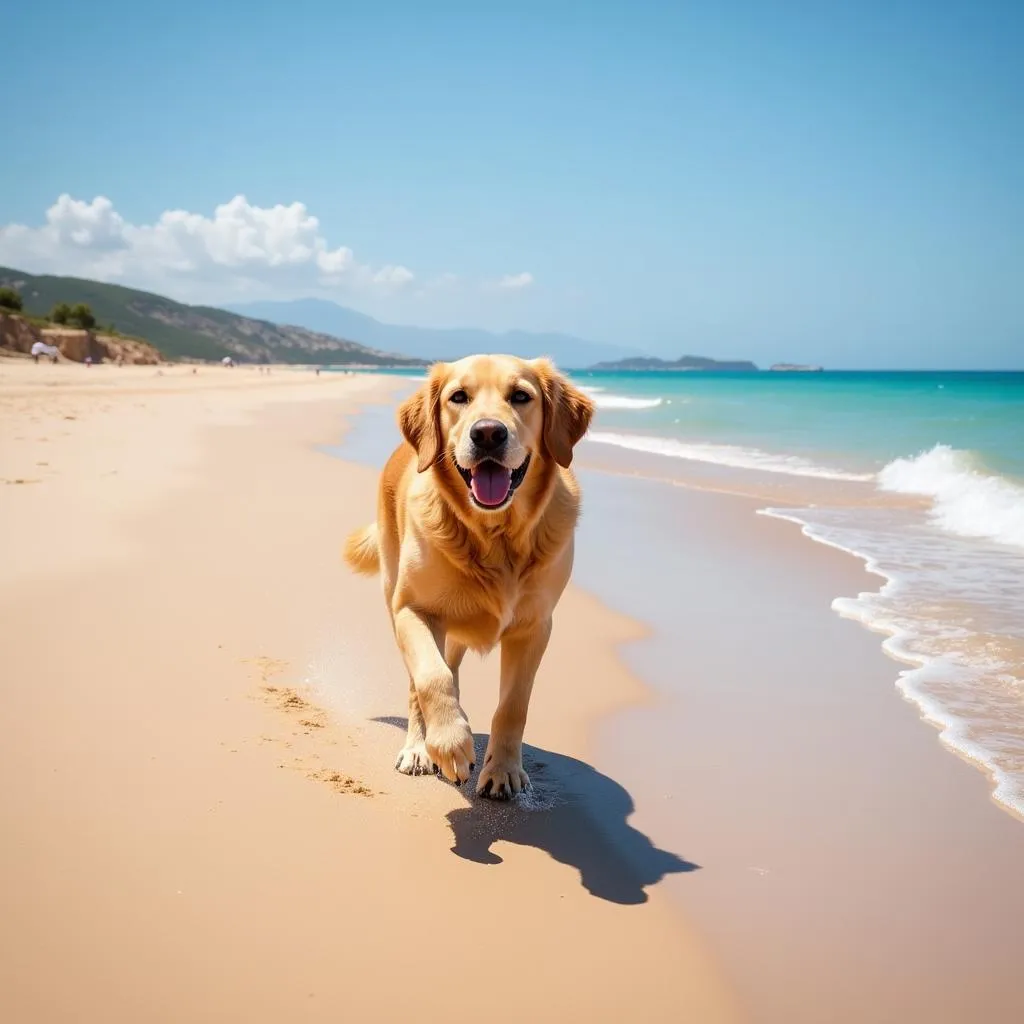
(476,515)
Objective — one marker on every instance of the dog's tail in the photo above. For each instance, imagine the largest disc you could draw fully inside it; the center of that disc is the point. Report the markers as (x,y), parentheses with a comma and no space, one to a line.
(362,550)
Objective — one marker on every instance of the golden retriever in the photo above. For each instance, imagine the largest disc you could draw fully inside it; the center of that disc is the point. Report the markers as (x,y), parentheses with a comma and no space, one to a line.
(474,542)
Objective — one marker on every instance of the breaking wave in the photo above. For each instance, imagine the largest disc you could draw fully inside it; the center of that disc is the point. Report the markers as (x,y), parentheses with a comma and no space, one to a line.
(966,499)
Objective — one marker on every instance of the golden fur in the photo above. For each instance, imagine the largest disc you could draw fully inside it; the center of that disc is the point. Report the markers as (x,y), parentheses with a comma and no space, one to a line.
(458,576)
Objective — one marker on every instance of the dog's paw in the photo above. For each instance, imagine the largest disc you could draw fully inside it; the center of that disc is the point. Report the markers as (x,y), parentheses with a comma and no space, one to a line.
(413,759)
(502,777)
(450,748)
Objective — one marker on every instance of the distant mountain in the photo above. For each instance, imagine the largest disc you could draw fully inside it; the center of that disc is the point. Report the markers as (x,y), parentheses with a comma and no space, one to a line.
(430,343)
(683,363)
(190,332)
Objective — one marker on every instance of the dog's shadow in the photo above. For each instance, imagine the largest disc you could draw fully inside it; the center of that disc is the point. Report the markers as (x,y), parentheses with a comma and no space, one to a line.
(576,815)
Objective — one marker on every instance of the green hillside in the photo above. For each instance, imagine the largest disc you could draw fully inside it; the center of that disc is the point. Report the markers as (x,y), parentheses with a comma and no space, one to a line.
(189,332)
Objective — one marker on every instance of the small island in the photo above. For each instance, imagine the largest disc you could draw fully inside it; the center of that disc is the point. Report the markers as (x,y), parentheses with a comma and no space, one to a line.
(684,363)
(795,368)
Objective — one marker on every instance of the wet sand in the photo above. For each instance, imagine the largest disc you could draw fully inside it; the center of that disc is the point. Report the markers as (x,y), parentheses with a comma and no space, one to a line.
(852,868)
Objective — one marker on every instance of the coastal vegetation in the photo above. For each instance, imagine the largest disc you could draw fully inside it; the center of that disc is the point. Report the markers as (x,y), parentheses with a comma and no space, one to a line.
(178,330)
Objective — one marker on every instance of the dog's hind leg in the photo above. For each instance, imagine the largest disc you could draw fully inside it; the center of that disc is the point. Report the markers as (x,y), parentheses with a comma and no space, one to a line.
(413,758)
(454,652)
(502,774)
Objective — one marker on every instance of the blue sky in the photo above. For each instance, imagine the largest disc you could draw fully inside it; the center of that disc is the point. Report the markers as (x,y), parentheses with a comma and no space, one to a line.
(837,183)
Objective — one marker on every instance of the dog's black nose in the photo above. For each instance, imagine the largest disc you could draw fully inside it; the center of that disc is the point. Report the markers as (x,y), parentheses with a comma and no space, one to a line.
(487,435)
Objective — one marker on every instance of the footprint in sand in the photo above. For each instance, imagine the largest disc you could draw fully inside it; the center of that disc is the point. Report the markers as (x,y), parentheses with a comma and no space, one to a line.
(311,718)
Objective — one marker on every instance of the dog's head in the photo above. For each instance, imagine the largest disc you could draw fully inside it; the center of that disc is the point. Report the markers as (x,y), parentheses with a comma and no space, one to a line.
(493,422)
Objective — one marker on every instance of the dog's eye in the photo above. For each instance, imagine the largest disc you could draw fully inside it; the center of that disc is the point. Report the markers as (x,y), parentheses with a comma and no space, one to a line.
(458,397)
(520,397)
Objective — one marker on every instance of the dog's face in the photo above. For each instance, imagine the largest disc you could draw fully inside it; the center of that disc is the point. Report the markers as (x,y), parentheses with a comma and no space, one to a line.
(494,420)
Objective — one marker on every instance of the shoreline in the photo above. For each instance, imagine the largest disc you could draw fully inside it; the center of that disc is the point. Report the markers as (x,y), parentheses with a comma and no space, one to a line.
(959,635)
(949,728)
(842,774)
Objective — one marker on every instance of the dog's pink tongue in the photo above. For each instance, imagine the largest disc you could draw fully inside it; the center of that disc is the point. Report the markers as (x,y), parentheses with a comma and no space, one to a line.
(490,483)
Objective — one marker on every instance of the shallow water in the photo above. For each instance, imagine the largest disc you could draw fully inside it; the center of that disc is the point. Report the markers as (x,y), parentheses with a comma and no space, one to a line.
(939,459)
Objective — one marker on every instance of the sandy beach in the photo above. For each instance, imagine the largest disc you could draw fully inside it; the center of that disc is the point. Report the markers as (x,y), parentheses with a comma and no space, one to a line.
(735,817)
(190,836)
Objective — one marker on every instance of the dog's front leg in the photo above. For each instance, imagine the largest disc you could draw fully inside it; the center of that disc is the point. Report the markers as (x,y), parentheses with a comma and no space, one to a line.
(502,774)
(449,740)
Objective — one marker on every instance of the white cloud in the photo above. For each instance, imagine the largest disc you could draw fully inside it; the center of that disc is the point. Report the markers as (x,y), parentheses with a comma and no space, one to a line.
(239,252)
(241,248)
(516,282)
(86,225)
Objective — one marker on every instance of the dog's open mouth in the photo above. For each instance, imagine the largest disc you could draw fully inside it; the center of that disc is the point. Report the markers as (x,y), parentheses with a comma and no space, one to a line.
(492,484)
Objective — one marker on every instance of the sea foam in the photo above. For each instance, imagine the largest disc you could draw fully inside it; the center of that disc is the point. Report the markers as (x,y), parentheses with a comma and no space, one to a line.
(604,400)
(966,499)
(725,455)
(964,674)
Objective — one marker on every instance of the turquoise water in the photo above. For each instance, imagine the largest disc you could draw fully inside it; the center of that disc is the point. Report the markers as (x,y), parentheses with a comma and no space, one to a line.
(856,421)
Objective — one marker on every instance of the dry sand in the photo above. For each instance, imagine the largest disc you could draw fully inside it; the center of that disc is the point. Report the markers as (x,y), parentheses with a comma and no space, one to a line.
(199,814)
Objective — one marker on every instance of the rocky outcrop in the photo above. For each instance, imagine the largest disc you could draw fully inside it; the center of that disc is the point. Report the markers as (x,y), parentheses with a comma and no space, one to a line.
(73,345)
(18,335)
(128,350)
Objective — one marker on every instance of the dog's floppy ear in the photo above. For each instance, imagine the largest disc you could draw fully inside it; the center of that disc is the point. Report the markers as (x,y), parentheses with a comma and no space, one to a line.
(567,412)
(419,418)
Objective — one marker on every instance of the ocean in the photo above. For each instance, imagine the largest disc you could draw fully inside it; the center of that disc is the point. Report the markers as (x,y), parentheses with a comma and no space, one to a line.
(919,474)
